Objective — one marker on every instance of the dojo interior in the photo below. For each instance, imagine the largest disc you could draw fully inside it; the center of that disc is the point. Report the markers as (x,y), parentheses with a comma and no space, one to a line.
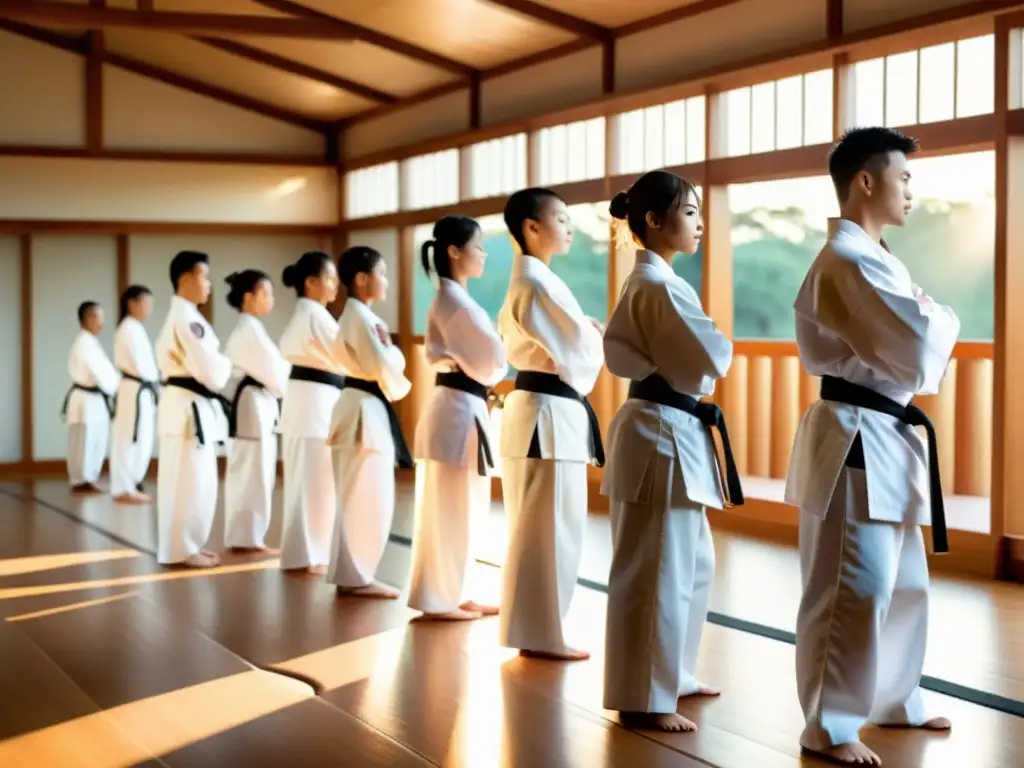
(256,129)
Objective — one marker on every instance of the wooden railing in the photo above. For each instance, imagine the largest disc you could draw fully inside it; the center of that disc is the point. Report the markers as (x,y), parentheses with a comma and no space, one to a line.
(767,392)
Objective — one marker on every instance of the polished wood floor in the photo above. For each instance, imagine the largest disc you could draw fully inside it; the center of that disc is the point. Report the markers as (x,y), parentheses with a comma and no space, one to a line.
(111,660)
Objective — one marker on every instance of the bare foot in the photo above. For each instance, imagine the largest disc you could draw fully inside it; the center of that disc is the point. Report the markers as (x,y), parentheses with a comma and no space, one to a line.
(316,570)
(484,610)
(133,498)
(458,615)
(568,655)
(373,589)
(202,560)
(852,753)
(657,721)
(703,690)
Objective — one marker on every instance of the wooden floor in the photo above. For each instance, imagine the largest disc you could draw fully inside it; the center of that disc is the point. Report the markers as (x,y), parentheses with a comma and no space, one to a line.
(111,660)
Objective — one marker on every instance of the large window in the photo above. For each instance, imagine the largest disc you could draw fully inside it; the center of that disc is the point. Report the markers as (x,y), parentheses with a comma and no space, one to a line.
(371,191)
(948,243)
(584,269)
(783,114)
(571,152)
(430,180)
(496,167)
(940,82)
(660,136)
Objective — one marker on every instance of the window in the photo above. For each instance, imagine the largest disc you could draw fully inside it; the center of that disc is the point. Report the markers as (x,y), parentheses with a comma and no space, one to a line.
(497,167)
(584,269)
(940,82)
(782,114)
(661,136)
(430,180)
(948,243)
(567,153)
(371,191)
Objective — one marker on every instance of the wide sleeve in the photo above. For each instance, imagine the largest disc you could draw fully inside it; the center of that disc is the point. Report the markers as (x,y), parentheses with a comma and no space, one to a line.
(900,333)
(262,360)
(574,345)
(477,350)
(203,361)
(686,345)
(379,359)
(102,370)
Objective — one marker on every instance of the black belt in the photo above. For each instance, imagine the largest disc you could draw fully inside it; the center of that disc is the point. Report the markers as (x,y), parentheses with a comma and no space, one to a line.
(402,456)
(317,376)
(143,386)
(656,390)
(247,381)
(549,384)
(91,390)
(193,386)
(842,391)
(460,381)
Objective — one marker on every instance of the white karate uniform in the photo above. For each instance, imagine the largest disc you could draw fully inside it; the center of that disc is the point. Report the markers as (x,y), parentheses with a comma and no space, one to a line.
(862,622)
(363,450)
(252,453)
(308,340)
(189,426)
(661,473)
(545,330)
(88,416)
(450,491)
(131,445)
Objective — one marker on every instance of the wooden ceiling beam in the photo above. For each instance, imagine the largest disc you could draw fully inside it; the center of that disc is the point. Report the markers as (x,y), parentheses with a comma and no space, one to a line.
(56,14)
(367,35)
(556,18)
(672,15)
(269,59)
(81,47)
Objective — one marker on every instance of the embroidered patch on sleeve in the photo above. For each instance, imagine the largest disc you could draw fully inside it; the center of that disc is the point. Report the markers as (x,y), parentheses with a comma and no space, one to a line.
(197,329)
(383,335)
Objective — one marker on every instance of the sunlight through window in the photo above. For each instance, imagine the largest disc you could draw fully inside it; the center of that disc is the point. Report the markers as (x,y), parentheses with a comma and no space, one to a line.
(781,114)
(568,153)
(496,167)
(371,191)
(430,180)
(662,136)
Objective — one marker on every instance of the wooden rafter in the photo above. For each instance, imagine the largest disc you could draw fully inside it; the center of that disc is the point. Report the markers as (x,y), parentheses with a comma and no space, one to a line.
(269,59)
(80,46)
(556,18)
(56,14)
(367,35)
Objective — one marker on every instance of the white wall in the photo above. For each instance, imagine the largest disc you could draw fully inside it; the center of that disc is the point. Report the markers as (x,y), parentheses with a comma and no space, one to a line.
(66,270)
(10,349)
(385,241)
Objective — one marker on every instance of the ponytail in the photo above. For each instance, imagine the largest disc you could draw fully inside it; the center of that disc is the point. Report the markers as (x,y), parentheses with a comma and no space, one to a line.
(449,231)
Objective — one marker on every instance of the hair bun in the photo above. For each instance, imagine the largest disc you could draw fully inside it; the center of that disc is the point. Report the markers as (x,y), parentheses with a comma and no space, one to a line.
(619,208)
(288,276)
(230,279)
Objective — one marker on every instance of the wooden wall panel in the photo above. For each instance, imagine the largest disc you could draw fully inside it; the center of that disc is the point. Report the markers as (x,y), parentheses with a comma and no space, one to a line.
(442,116)
(140,113)
(863,14)
(386,242)
(122,190)
(42,94)
(10,349)
(66,270)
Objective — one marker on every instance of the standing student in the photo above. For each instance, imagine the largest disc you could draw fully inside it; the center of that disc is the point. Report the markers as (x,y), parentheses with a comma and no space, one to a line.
(662,466)
(365,438)
(86,406)
(190,419)
(452,447)
(864,479)
(314,385)
(262,374)
(549,431)
(131,445)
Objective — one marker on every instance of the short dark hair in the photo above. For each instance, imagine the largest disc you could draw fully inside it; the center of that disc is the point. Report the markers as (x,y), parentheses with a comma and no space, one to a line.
(523,206)
(131,293)
(84,309)
(657,192)
(184,263)
(449,230)
(864,149)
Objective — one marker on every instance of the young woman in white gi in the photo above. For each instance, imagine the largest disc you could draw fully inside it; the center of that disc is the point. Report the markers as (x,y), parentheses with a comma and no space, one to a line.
(190,418)
(86,406)
(549,433)
(452,448)
(662,469)
(262,376)
(134,428)
(313,387)
(365,437)
(860,473)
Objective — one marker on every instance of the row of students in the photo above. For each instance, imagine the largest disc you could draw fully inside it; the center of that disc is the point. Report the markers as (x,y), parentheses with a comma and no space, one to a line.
(860,473)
